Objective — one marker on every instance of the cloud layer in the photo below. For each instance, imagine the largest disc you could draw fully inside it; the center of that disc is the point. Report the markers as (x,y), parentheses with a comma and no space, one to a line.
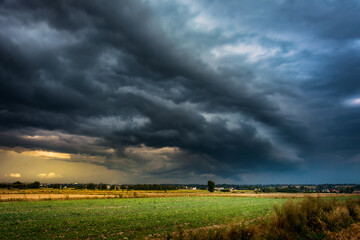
(180,89)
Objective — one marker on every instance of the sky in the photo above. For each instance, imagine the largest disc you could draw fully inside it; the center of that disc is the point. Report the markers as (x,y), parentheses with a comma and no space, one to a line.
(146,91)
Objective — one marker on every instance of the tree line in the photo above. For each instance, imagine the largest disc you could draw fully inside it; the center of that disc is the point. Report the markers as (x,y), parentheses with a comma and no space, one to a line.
(20,185)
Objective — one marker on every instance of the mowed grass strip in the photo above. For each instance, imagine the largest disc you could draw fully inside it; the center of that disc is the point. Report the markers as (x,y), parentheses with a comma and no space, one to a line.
(120,218)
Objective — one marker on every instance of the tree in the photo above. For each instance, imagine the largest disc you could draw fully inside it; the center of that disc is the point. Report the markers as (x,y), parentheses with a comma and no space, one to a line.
(18,184)
(90,186)
(211,186)
(34,185)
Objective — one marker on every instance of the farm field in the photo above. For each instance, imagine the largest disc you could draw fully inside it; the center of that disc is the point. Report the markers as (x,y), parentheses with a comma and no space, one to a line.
(57,194)
(125,218)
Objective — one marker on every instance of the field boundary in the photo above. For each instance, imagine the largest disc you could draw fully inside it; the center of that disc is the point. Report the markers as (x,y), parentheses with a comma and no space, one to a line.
(20,196)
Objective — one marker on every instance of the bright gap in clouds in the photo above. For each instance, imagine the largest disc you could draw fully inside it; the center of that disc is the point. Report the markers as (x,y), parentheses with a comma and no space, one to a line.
(353,102)
(46,154)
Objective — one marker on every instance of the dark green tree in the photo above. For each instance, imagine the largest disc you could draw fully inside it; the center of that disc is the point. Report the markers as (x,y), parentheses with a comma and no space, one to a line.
(34,185)
(18,184)
(90,186)
(211,186)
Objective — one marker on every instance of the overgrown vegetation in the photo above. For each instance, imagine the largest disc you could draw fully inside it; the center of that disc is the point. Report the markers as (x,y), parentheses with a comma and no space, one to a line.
(312,218)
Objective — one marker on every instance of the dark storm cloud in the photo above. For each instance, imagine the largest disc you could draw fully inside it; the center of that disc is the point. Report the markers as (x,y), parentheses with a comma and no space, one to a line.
(100,78)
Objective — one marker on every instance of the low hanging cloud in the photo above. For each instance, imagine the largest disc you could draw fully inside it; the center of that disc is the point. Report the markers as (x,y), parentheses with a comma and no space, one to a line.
(50,175)
(13,175)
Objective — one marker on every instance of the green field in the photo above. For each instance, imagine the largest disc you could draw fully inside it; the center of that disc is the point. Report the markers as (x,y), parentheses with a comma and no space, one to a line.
(120,218)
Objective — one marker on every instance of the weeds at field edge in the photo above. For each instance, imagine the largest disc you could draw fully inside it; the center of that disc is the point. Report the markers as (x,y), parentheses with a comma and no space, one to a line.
(312,218)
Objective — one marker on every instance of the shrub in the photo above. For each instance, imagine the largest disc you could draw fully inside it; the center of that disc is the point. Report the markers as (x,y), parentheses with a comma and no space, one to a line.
(225,190)
(312,218)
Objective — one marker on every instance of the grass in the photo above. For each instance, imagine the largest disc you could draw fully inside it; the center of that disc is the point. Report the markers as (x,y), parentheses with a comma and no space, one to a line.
(311,218)
(124,218)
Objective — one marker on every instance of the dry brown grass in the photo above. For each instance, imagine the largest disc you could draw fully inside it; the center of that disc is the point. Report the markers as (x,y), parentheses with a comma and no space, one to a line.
(39,197)
(48,193)
(312,218)
(350,233)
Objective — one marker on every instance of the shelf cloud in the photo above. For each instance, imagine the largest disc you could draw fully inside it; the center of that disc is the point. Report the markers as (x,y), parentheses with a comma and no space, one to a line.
(177,91)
